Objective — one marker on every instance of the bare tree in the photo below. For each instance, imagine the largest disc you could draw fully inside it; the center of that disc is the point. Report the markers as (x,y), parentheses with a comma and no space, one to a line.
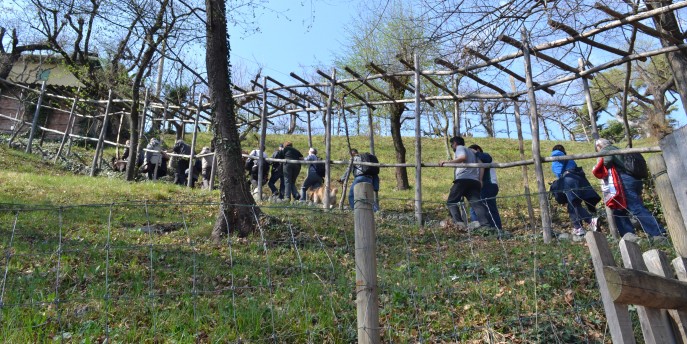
(237,212)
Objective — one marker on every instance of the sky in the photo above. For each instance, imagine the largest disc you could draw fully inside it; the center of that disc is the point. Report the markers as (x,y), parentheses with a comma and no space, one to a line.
(294,36)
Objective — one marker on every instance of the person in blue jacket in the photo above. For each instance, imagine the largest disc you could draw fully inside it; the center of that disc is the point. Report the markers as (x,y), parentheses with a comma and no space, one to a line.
(580,195)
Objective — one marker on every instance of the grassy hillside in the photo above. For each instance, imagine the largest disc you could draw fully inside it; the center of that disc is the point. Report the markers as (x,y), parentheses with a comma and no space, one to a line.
(133,263)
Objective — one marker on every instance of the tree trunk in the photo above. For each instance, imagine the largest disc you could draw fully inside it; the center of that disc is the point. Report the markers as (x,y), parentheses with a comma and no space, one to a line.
(395,123)
(234,188)
(677,59)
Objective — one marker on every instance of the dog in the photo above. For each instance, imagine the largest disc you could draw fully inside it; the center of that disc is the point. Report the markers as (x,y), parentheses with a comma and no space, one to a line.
(316,195)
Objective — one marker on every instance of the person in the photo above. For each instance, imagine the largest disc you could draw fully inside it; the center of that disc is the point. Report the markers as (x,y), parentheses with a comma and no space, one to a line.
(360,176)
(579,193)
(312,179)
(255,167)
(290,170)
(180,147)
(206,166)
(194,172)
(632,188)
(277,175)
(490,189)
(153,158)
(466,183)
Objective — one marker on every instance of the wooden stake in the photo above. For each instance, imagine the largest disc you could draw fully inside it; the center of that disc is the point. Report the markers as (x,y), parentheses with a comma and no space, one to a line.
(102,134)
(671,209)
(418,147)
(371,125)
(366,265)
(35,117)
(309,130)
(588,98)
(328,141)
(70,125)
(263,135)
(189,179)
(536,154)
(521,148)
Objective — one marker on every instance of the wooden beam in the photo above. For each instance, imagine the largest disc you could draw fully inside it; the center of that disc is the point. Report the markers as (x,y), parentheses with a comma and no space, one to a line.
(573,33)
(297,94)
(367,83)
(634,287)
(348,89)
(504,69)
(479,80)
(540,55)
(646,29)
(279,95)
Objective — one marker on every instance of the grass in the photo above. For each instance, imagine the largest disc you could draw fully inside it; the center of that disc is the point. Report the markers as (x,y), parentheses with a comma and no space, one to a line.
(86,273)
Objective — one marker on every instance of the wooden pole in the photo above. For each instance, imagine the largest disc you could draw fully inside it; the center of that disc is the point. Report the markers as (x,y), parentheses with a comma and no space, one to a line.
(456,110)
(588,97)
(119,131)
(671,209)
(536,154)
(141,128)
(617,315)
(366,265)
(309,130)
(637,287)
(675,155)
(371,125)
(521,148)
(70,125)
(34,123)
(189,179)
(328,140)
(213,171)
(102,134)
(263,134)
(418,147)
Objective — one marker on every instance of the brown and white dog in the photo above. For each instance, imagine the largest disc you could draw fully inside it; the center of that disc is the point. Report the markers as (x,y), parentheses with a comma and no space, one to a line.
(316,195)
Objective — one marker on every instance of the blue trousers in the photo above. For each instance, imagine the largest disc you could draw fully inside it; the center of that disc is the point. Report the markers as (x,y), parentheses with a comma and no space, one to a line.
(635,206)
(374,180)
(488,195)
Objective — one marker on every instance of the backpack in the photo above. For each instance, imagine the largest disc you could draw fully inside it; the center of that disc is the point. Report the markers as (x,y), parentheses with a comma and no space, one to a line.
(320,169)
(635,165)
(249,164)
(369,170)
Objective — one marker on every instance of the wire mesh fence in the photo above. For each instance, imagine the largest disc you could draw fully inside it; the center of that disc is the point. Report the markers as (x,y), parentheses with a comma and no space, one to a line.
(147,271)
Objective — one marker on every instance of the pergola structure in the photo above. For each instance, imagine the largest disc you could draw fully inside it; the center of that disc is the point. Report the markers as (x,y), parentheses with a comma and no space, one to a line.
(273,98)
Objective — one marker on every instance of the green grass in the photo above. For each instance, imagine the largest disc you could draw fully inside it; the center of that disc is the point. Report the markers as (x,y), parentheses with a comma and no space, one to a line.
(83,273)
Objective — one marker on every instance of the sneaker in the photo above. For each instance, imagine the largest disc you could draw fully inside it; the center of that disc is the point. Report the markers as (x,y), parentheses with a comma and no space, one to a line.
(632,237)
(593,224)
(578,232)
(660,240)
(474,225)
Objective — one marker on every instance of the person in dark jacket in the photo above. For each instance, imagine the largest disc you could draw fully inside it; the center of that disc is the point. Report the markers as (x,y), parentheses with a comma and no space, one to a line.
(277,175)
(312,179)
(291,170)
(490,189)
(633,196)
(580,195)
(180,147)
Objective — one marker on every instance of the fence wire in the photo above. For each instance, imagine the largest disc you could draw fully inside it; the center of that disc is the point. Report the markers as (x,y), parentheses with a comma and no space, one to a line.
(147,271)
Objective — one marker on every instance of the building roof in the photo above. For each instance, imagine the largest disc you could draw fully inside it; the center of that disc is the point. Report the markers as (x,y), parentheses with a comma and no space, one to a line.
(33,69)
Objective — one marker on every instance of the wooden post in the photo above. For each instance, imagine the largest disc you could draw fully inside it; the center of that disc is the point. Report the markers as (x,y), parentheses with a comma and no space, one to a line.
(536,154)
(309,130)
(102,134)
(521,148)
(141,128)
(657,263)
(70,125)
(654,322)
(34,123)
(617,315)
(189,179)
(588,97)
(418,147)
(671,210)
(263,134)
(213,171)
(119,131)
(371,125)
(366,265)
(676,164)
(456,110)
(328,141)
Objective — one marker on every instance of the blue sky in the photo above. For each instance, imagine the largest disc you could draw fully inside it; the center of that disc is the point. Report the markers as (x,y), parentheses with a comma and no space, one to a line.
(294,36)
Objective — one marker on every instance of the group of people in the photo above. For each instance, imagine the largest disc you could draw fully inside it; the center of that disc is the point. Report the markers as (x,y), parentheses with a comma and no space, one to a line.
(156,160)
(581,198)
(478,185)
